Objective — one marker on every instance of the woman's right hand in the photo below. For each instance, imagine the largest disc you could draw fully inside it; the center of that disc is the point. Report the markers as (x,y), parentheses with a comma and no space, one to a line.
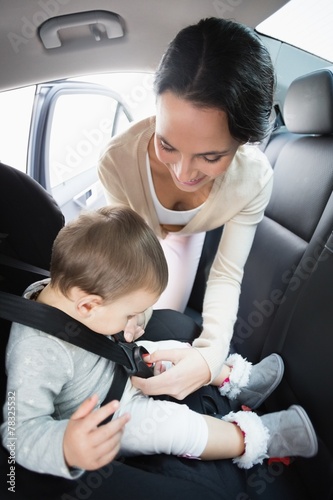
(189,373)
(87,446)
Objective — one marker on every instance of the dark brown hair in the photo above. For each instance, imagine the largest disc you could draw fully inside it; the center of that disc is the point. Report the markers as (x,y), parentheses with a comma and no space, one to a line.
(218,63)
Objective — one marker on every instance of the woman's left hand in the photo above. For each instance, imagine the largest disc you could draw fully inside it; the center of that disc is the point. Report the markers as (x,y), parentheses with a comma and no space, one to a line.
(189,373)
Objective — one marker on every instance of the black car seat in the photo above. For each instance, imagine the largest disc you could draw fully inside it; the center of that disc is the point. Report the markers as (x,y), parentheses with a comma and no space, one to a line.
(24,204)
(23,199)
(287,294)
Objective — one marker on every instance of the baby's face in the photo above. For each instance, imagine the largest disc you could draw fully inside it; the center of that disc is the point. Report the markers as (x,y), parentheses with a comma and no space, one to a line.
(125,313)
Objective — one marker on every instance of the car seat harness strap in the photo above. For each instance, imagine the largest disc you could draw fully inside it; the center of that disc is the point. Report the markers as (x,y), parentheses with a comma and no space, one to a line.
(127,356)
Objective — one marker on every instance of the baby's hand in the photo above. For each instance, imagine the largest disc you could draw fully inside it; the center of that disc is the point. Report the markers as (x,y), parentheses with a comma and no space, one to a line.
(87,445)
(134,327)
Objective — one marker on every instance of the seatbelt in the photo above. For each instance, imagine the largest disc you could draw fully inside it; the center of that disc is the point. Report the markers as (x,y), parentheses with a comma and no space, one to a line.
(9,261)
(55,322)
(127,356)
(116,389)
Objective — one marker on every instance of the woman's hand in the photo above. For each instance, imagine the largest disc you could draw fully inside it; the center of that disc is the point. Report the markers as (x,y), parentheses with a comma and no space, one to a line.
(88,446)
(189,373)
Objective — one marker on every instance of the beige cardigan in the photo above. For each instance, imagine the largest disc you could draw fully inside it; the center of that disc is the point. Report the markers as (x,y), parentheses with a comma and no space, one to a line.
(237,201)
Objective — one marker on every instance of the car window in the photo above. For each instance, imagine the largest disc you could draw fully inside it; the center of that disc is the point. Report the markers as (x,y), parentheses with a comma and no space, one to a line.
(71,124)
(15,108)
(82,124)
(57,131)
(136,90)
(303,24)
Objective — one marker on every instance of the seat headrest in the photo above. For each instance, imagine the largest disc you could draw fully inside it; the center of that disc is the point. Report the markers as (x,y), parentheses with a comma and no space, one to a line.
(308,107)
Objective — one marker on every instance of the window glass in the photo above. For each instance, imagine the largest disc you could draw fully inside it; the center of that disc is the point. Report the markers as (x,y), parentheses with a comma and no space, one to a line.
(304,24)
(136,90)
(121,122)
(82,125)
(15,109)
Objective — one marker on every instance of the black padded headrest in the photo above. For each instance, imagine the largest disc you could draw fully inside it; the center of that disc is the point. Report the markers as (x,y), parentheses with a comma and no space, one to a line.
(30,219)
(308,107)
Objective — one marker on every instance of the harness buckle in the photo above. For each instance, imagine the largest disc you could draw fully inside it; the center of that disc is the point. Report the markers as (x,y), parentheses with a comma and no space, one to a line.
(135,353)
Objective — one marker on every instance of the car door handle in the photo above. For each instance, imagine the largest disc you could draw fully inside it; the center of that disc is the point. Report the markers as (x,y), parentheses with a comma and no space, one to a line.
(90,195)
(112,23)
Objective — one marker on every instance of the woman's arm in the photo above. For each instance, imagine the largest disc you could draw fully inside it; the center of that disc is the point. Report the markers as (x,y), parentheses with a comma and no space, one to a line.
(197,367)
(222,293)
(189,373)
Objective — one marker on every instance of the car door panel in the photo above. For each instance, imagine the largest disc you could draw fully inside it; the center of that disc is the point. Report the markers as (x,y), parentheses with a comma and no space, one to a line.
(71,124)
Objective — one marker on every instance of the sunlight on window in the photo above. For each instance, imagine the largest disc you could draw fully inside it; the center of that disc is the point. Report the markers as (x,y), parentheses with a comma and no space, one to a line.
(305,24)
(136,89)
(15,106)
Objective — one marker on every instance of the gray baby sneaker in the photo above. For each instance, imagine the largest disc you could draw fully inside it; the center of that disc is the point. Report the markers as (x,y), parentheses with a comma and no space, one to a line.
(251,384)
(287,433)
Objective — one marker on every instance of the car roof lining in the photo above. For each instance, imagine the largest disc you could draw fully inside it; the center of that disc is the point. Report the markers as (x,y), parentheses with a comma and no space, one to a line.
(149,26)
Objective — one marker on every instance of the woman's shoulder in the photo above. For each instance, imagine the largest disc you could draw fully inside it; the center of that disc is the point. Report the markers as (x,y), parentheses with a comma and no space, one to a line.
(250,167)
(250,157)
(127,149)
(250,175)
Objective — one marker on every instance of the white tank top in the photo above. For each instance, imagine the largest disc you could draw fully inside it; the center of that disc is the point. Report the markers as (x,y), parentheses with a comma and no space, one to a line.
(165,215)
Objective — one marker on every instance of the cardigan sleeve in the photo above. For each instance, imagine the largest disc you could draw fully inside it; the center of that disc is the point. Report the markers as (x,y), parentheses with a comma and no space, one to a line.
(224,283)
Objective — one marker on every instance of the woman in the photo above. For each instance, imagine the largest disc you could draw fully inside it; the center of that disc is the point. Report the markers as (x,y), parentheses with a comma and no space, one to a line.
(192,168)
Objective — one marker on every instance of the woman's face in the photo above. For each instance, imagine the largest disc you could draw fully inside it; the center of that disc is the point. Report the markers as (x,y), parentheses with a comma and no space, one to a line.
(193,143)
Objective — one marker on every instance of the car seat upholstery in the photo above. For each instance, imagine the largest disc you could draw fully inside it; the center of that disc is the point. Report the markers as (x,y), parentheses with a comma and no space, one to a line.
(287,294)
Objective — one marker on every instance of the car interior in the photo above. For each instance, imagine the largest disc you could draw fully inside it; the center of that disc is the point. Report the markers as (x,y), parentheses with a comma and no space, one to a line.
(286,295)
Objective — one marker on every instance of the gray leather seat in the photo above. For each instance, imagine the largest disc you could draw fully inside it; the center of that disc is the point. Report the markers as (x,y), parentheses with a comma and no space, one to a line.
(286,303)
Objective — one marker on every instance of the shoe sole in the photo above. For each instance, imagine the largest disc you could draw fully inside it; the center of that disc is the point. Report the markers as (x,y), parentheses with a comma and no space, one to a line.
(309,428)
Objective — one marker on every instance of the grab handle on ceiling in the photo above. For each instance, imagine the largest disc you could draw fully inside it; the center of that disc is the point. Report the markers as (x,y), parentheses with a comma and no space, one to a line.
(48,31)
